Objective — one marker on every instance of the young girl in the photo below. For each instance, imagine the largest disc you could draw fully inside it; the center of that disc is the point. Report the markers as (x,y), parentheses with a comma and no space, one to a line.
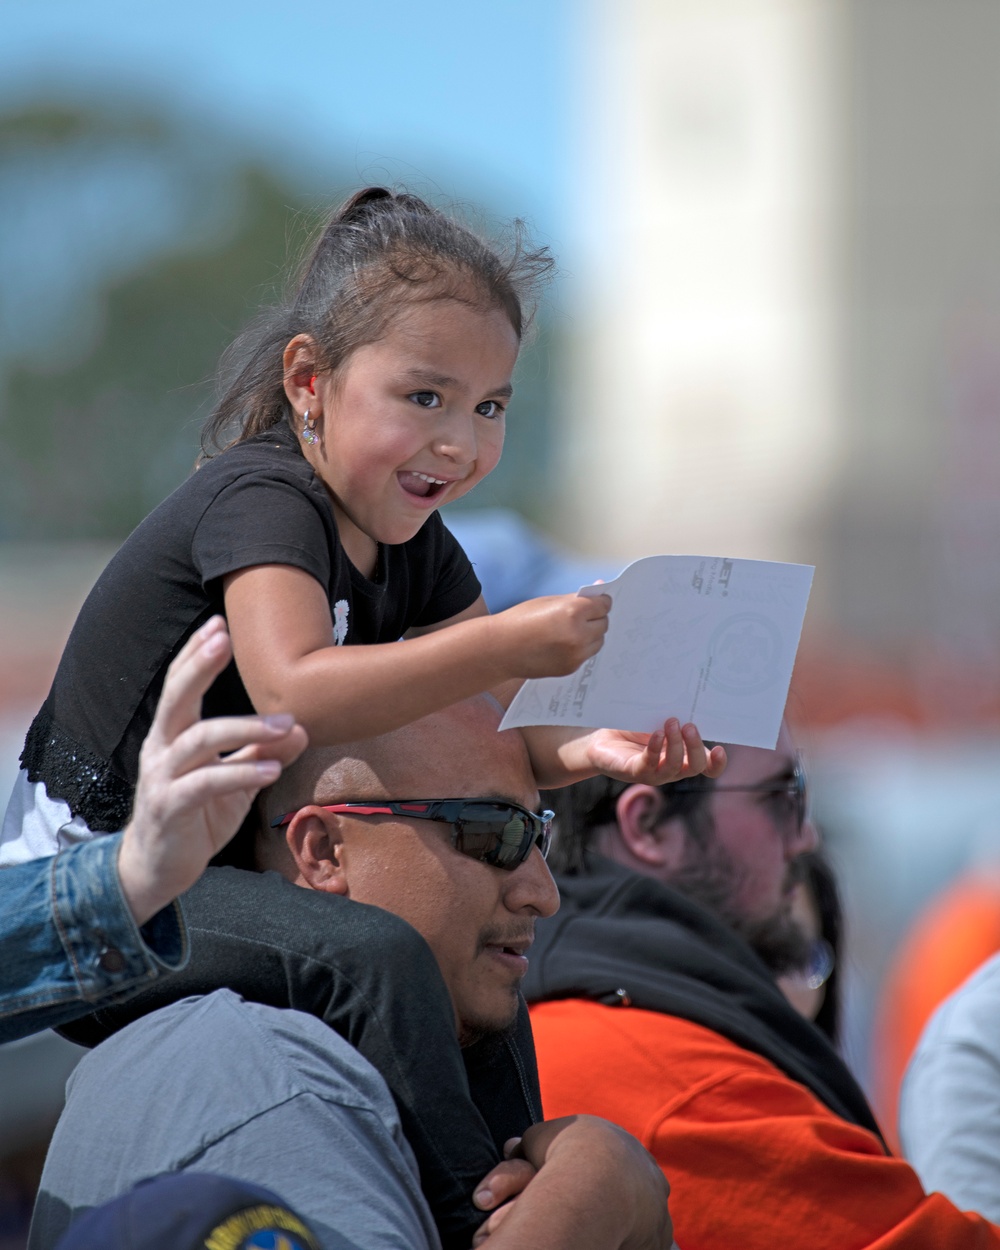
(373,398)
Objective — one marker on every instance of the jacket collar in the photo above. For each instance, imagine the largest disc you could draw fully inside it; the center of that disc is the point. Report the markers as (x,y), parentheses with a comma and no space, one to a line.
(621,938)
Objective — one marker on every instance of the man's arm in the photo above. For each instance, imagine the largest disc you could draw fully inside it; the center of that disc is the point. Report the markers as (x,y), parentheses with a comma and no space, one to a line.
(98,921)
(757,1161)
(949,1105)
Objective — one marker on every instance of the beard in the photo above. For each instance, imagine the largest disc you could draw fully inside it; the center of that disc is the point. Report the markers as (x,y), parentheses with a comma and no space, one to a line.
(710,877)
(489,1034)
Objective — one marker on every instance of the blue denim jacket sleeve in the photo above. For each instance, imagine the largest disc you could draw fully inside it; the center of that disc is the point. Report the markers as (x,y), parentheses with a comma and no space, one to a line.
(69,942)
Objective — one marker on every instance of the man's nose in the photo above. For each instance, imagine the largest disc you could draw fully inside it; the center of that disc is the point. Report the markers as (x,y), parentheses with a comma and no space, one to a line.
(804,838)
(531,887)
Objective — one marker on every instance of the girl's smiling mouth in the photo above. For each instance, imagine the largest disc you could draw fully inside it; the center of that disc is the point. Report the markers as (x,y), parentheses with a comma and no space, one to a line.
(421,485)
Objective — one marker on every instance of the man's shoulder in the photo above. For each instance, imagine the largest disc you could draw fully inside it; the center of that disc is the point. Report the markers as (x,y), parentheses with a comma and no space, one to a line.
(968,1016)
(265,1055)
(657,1054)
(220,1084)
(662,1072)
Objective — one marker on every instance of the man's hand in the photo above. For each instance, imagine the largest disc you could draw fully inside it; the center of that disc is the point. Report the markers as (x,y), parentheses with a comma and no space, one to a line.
(549,637)
(596,1188)
(653,759)
(499,1186)
(189,800)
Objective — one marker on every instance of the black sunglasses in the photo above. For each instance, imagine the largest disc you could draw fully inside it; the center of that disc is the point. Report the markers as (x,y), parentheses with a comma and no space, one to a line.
(493,832)
(794,790)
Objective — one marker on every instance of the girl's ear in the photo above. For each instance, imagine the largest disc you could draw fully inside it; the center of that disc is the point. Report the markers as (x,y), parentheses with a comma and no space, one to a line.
(315,846)
(654,842)
(299,361)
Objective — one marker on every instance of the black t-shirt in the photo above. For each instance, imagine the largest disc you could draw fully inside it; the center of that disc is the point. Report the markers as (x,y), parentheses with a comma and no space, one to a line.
(257,503)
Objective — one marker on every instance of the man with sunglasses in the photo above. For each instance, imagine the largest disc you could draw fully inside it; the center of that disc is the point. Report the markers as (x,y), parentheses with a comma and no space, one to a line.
(274,1096)
(654,1003)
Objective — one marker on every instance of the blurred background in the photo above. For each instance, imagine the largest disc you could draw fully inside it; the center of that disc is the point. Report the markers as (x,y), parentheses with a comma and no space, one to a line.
(776,334)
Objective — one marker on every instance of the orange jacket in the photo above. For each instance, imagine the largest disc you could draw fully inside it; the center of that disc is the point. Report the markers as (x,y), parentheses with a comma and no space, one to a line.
(955,934)
(754,1160)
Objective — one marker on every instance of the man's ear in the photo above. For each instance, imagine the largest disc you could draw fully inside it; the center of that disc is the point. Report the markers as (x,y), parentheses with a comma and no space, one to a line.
(314,842)
(653,841)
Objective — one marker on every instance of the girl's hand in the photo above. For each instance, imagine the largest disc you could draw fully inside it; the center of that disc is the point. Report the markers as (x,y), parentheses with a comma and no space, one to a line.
(552,636)
(653,759)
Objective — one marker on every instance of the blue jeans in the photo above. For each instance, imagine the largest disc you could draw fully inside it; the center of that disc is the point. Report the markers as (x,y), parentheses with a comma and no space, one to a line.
(371,977)
(69,941)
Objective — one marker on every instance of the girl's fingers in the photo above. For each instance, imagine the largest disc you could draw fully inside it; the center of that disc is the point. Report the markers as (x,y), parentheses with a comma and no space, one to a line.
(202,658)
(654,748)
(697,756)
(673,760)
(717,762)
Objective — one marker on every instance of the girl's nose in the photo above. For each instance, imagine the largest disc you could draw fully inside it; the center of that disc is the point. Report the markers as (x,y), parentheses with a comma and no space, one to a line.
(456,440)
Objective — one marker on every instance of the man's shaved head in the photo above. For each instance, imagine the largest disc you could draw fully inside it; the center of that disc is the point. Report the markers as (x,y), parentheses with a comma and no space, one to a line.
(455,751)
(477,919)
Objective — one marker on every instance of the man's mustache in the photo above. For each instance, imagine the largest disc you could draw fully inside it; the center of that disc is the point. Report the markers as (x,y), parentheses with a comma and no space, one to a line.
(795,875)
(518,937)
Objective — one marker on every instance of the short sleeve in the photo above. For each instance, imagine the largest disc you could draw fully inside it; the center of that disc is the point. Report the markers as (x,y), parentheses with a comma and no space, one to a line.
(452,581)
(263,519)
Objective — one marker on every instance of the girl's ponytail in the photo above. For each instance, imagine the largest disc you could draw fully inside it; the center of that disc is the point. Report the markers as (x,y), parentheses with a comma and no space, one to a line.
(360,201)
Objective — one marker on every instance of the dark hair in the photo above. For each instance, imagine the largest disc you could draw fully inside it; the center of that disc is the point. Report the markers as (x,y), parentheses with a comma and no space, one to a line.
(821,881)
(585,808)
(380,250)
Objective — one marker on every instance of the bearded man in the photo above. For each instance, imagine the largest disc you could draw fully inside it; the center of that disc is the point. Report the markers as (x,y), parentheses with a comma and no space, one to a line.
(655,1004)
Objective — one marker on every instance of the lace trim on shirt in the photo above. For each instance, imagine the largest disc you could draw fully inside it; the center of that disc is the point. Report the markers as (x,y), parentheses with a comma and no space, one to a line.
(77,776)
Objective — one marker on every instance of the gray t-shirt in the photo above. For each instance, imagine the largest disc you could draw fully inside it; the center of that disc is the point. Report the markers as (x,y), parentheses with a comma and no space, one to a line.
(949,1107)
(271,1096)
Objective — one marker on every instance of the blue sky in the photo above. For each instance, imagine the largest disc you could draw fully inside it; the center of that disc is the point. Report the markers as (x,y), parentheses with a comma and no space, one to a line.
(471,97)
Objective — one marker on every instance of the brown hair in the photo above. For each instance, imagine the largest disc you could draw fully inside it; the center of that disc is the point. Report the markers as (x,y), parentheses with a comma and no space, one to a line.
(587,807)
(378,251)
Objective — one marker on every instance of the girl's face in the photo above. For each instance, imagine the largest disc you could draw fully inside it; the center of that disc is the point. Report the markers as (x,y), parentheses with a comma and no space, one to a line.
(412,421)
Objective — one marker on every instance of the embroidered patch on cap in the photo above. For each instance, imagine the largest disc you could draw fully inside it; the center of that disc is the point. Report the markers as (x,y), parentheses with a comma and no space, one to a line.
(261,1228)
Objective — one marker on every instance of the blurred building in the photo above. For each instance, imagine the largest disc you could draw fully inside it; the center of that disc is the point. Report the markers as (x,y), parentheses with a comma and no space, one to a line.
(786,341)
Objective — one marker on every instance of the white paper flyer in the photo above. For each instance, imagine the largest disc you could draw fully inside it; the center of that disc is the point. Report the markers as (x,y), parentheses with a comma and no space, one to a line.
(702,638)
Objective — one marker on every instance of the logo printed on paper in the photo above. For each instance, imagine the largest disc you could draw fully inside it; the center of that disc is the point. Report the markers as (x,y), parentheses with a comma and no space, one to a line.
(744,654)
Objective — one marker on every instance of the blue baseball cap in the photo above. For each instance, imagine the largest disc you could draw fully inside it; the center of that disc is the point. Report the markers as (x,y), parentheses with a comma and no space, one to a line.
(191,1211)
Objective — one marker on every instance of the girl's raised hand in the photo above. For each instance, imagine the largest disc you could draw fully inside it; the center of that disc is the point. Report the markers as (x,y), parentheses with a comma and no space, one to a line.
(654,759)
(552,636)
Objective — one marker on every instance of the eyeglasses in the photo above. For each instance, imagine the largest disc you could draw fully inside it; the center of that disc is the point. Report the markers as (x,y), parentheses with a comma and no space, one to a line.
(793,793)
(495,833)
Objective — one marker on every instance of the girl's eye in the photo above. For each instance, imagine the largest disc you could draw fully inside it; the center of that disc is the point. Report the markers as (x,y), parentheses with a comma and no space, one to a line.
(490,408)
(426,399)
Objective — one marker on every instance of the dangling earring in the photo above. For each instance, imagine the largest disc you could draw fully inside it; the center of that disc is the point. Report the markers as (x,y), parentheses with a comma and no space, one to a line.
(309,431)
